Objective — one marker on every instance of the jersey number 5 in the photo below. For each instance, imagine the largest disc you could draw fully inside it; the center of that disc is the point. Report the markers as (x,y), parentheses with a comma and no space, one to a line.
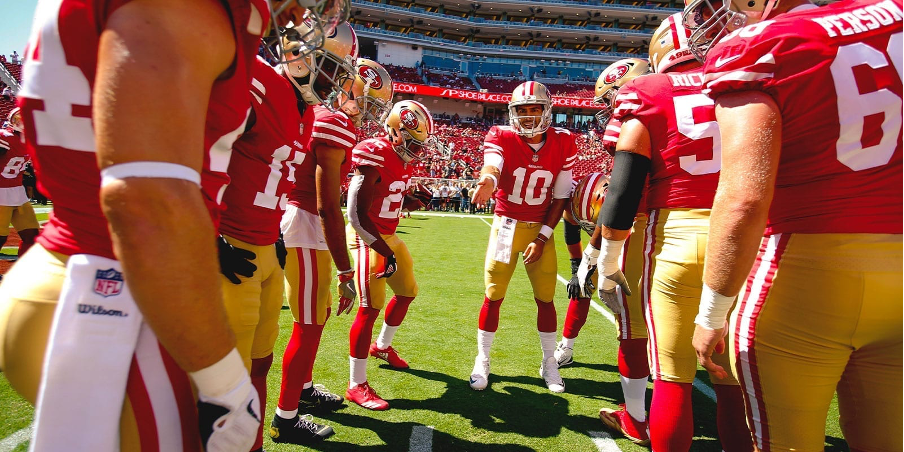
(684,115)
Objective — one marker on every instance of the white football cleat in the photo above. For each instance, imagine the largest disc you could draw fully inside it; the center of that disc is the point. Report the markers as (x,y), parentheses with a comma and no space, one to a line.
(549,370)
(563,354)
(481,374)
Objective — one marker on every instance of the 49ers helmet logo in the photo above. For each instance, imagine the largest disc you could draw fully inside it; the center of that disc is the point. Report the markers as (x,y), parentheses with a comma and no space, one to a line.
(409,119)
(372,76)
(616,73)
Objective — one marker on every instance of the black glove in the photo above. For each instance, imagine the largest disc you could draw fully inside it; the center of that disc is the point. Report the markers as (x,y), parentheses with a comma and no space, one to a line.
(235,261)
(388,268)
(281,252)
(574,285)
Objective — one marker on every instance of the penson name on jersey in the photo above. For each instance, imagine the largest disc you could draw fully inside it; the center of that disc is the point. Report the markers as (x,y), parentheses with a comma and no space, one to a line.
(861,19)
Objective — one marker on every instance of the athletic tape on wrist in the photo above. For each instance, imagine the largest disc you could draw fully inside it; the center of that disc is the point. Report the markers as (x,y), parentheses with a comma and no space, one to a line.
(218,379)
(714,308)
(591,252)
(164,170)
(609,253)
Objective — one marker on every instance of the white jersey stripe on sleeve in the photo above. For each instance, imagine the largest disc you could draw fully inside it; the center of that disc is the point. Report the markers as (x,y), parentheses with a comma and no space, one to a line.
(333,138)
(336,128)
(366,162)
(368,155)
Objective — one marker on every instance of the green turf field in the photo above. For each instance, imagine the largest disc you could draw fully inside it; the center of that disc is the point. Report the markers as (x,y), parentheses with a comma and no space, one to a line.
(432,406)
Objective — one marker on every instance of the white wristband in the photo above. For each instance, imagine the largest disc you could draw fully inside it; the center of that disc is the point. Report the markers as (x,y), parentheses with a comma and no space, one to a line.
(165,170)
(714,309)
(546,232)
(222,377)
(608,258)
(490,176)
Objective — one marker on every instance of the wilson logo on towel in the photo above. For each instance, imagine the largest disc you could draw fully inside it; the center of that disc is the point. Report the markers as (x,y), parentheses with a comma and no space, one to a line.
(107,283)
(96,309)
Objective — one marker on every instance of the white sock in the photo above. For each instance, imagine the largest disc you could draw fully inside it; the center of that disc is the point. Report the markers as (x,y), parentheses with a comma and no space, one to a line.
(358,371)
(484,342)
(307,385)
(635,390)
(568,342)
(384,340)
(548,344)
(286,414)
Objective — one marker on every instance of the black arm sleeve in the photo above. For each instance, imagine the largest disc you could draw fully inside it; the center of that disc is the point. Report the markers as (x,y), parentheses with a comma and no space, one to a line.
(629,174)
(572,233)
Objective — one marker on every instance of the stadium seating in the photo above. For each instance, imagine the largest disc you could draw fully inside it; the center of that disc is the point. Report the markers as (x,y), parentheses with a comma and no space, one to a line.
(498,85)
(403,74)
(448,80)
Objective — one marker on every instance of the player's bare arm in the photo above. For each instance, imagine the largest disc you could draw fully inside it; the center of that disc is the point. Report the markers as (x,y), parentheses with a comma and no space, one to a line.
(360,198)
(328,180)
(144,69)
(750,158)
(486,185)
(535,249)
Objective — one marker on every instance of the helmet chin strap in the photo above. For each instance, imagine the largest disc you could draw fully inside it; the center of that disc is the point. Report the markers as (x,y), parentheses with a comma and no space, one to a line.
(307,94)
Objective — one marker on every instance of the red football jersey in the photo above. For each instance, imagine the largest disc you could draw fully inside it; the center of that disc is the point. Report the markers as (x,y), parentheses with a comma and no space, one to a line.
(264,160)
(610,139)
(58,79)
(331,129)
(525,186)
(389,192)
(13,160)
(684,137)
(835,74)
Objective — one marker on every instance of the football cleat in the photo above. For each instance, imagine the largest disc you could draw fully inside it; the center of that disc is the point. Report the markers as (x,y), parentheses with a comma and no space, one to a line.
(549,370)
(389,355)
(637,432)
(300,430)
(365,396)
(481,374)
(317,398)
(563,354)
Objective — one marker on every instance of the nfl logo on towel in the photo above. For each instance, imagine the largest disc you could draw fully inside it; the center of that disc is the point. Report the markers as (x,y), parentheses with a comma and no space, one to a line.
(108,283)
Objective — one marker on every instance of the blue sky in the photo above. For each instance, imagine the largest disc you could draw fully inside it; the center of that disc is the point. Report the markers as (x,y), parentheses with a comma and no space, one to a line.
(15,23)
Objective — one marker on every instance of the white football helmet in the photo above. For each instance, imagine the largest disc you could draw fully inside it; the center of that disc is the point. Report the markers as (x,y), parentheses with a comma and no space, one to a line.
(372,90)
(15,120)
(587,200)
(325,73)
(611,79)
(711,20)
(669,45)
(530,93)
(410,129)
(325,16)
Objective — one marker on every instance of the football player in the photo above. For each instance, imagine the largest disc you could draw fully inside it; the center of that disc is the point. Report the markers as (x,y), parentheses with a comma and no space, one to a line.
(268,158)
(376,195)
(808,101)
(527,169)
(313,228)
(134,159)
(668,136)
(15,207)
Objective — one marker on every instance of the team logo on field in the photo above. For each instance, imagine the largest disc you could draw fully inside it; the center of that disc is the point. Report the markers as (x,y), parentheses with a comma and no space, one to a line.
(409,119)
(108,283)
(616,73)
(371,76)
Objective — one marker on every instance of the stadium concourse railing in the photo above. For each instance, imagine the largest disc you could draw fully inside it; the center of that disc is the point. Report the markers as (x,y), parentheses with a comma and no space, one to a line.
(530,52)
(582,3)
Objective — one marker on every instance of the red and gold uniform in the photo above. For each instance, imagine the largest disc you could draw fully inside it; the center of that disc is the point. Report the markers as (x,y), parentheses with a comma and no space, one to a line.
(58,76)
(388,197)
(822,303)
(14,205)
(524,195)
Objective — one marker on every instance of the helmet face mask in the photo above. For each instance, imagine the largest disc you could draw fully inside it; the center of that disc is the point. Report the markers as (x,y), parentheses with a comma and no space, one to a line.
(286,43)
(525,95)
(587,200)
(323,75)
(611,79)
(711,20)
(410,129)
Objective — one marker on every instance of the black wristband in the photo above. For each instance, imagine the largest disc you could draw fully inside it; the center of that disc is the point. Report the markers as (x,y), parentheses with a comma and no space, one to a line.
(575,264)
(626,184)
(572,233)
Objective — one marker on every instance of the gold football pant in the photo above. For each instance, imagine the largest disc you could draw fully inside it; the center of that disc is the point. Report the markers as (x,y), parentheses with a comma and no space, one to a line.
(253,306)
(22,217)
(372,291)
(632,324)
(822,313)
(542,274)
(672,285)
(308,278)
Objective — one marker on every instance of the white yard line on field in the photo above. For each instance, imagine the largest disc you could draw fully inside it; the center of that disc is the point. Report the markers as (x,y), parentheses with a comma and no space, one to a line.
(12,441)
(604,442)
(421,439)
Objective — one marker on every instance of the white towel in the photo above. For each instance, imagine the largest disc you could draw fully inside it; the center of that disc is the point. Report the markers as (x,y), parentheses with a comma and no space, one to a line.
(504,237)
(86,366)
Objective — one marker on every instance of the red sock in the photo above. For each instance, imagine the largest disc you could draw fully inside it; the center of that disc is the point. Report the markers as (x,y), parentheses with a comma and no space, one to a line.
(632,358)
(362,332)
(259,369)
(575,317)
(290,386)
(731,420)
(396,310)
(671,417)
(489,315)
(28,239)
(546,317)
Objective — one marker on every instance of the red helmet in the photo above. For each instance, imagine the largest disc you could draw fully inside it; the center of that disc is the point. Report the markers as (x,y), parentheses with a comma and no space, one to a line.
(587,199)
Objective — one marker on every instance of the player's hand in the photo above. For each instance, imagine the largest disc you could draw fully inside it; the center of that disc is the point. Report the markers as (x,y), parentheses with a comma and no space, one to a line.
(347,292)
(533,251)
(281,252)
(609,291)
(483,192)
(573,288)
(230,422)
(586,270)
(706,342)
(235,261)
(422,194)
(386,267)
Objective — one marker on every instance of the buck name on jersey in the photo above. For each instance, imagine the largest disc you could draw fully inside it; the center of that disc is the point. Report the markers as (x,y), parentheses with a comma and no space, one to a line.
(56,103)
(389,191)
(525,186)
(331,129)
(840,172)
